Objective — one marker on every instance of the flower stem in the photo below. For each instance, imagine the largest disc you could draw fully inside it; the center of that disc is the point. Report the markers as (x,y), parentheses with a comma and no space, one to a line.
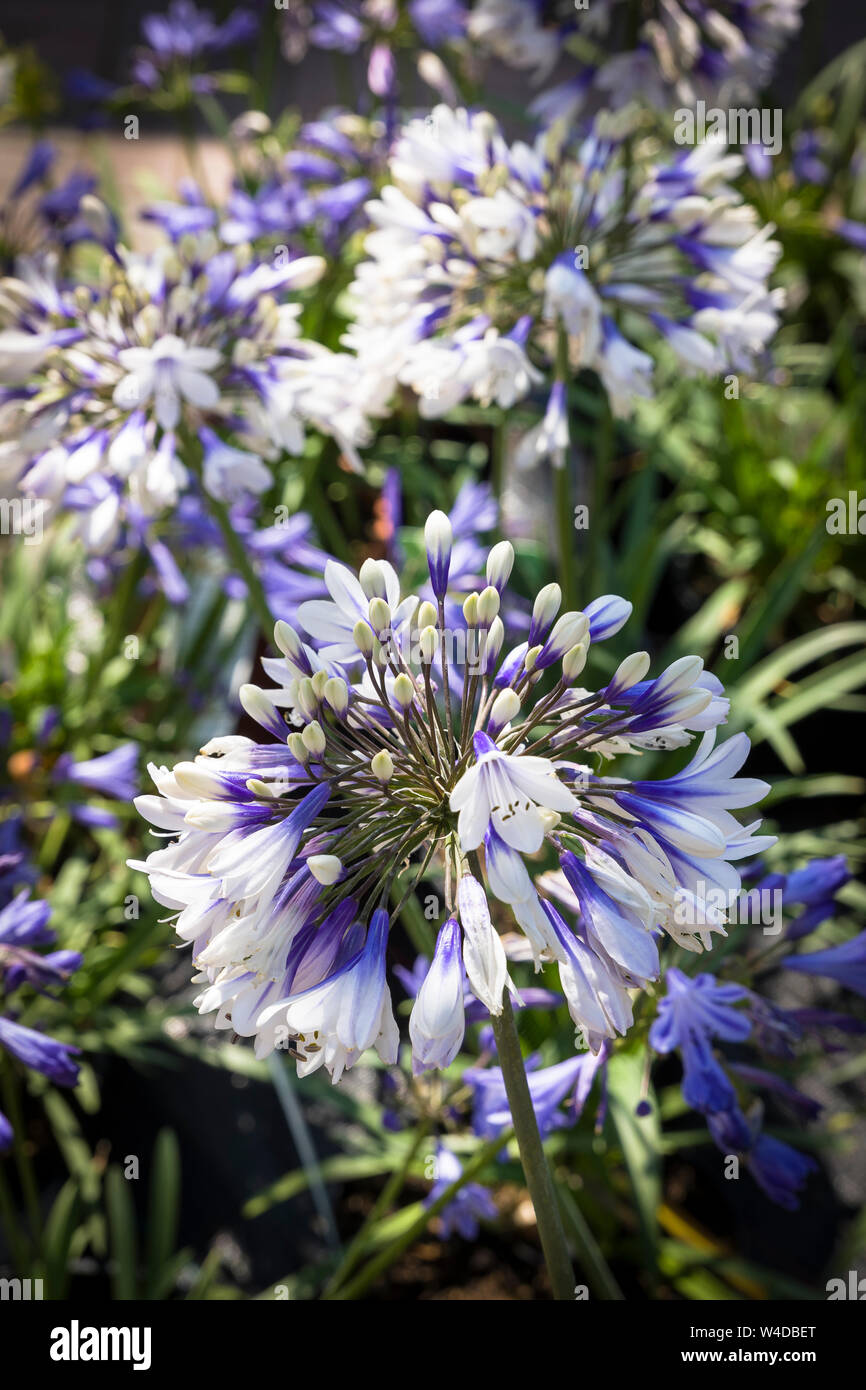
(241,560)
(562,500)
(538,1177)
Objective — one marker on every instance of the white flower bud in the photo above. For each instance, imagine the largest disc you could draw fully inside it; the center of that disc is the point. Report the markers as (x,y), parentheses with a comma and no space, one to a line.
(574,661)
(319,681)
(493,644)
(568,630)
(470,610)
(372,579)
(428,639)
(438,538)
(629,672)
(297,748)
(313,738)
(382,766)
(546,606)
(505,707)
(380,616)
(362,636)
(426,615)
(325,868)
(337,694)
(259,707)
(488,605)
(270,791)
(404,691)
(499,564)
(531,657)
(289,642)
(306,701)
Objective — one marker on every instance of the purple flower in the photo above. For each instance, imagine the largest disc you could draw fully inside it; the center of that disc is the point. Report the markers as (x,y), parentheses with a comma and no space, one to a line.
(437,21)
(112,774)
(37,165)
(473,1203)
(43,1054)
(845,963)
(548,1088)
(693,1012)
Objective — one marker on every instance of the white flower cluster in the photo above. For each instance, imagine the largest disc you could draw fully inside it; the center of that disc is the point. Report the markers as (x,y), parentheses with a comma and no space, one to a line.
(493,266)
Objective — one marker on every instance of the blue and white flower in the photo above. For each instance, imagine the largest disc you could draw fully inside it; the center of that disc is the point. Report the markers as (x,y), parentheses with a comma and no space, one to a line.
(375,766)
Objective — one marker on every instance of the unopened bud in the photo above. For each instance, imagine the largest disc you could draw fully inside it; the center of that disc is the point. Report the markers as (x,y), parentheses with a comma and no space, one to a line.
(499,564)
(306,701)
(470,610)
(426,615)
(493,644)
(438,537)
(505,707)
(319,681)
(567,632)
(404,691)
(380,616)
(574,661)
(290,645)
(427,641)
(628,673)
(372,579)
(313,738)
(362,636)
(337,694)
(325,868)
(488,605)
(297,748)
(544,610)
(382,766)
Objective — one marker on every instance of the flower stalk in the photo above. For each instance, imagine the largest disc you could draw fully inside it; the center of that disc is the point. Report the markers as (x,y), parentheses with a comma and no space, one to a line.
(532,1156)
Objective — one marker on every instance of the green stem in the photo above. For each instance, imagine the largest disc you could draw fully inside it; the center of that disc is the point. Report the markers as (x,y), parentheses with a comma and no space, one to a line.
(377,1266)
(598,527)
(563,500)
(538,1178)
(241,560)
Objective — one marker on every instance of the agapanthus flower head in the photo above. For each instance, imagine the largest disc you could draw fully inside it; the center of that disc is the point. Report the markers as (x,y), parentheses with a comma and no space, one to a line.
(399,742)
(494,265)
(113,389)
(185,39)
(380,28)
(307,197)
(683,51)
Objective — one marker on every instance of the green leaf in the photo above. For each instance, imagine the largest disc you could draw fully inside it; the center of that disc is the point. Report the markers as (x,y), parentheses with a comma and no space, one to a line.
(163,1209)
(638,1139)
(60,1229)
(123,1236)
